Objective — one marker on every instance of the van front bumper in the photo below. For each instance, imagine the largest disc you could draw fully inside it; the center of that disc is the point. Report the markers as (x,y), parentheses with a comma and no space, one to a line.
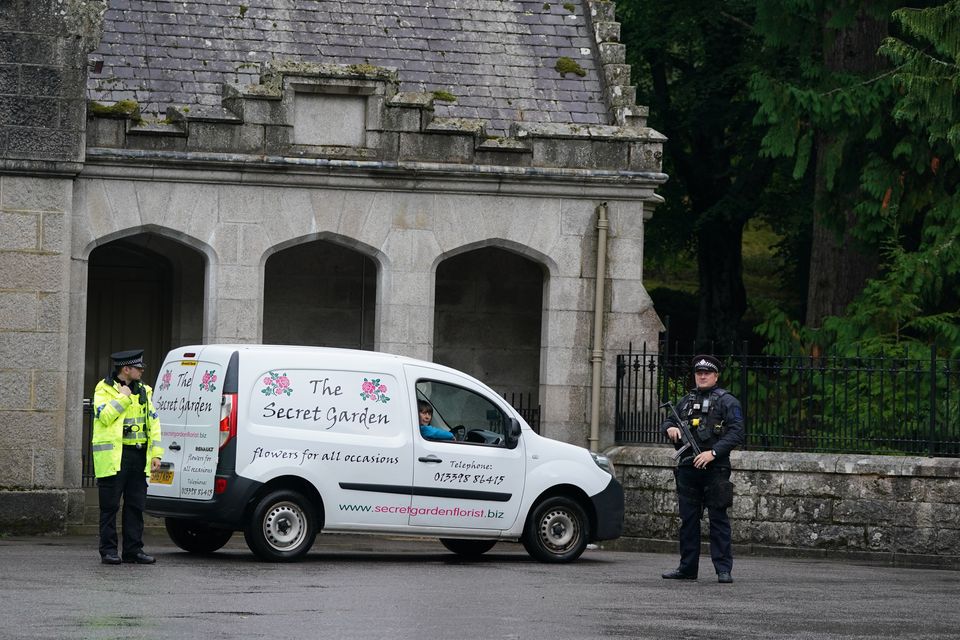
(225,510)
(608,505)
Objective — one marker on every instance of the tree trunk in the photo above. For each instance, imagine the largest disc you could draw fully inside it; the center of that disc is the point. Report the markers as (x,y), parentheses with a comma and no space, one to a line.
(839,265)
(723,299)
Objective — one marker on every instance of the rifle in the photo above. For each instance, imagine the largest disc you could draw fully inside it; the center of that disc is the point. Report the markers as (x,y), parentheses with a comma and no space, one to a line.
(689,441)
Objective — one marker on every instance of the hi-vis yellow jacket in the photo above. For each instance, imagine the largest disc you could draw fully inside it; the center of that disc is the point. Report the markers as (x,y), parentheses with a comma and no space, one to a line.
(120,420)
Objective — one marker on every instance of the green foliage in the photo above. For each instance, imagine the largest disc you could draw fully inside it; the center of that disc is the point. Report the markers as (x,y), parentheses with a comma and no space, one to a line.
(928,75)
(802,103)
(897,176)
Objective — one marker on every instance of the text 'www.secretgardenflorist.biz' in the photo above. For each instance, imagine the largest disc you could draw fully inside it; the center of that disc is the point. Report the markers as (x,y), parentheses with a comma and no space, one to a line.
(455,512)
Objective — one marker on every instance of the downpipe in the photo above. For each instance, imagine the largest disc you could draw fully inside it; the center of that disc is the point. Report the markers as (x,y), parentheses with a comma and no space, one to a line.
(596,355)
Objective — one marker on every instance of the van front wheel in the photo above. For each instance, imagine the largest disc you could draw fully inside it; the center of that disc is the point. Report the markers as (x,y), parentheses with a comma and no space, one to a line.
(282,528)
(556,531)
(196,537)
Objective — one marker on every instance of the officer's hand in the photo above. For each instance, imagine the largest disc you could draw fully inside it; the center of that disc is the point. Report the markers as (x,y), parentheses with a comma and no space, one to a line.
(125,390)
(673,433)
(702,460)
(155,464)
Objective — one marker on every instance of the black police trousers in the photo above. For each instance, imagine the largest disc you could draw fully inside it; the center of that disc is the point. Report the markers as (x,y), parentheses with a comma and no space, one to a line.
(693,487)
(130,482)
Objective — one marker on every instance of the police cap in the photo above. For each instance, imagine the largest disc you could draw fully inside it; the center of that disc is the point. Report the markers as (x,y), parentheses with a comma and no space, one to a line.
(131,358)
(706,363)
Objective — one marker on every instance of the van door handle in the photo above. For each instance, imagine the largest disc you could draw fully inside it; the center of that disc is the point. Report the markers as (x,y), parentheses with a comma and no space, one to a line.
(429,459)
(174,447)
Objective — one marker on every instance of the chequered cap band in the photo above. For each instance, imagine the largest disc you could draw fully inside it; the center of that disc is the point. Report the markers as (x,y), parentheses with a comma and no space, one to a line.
(130,362)
(705,365)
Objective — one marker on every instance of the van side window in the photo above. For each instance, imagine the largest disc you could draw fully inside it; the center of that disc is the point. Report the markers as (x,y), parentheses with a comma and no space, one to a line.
(454,411)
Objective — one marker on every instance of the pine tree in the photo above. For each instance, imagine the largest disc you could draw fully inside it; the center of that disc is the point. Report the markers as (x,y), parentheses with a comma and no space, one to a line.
(902,183)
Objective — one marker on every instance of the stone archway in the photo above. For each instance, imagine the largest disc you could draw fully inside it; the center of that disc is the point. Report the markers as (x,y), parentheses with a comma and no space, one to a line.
(322,294)
(144,290)
(488,318)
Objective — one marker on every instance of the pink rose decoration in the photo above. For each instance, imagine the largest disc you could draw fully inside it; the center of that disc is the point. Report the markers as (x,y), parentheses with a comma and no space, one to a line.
(283,382)
(277,391)
(267,380)
(382,388)
(368,387)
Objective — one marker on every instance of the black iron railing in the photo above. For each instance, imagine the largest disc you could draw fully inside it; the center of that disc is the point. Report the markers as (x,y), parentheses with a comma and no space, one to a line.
(87,478)
(529,411)
(863,404)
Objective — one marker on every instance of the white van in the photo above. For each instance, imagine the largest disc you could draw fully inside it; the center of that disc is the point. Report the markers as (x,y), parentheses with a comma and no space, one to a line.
(282,442)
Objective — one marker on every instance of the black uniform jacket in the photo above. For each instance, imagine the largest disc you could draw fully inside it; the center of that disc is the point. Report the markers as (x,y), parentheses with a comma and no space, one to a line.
(720,423)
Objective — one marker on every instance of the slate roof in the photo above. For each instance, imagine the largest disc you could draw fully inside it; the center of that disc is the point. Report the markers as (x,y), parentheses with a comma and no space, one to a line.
(496,56)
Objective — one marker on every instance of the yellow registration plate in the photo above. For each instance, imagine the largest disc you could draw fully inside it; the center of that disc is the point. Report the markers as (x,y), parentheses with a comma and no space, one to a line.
(161,477)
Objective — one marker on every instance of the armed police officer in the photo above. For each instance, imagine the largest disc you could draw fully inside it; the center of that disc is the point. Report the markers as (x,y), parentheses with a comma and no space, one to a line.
(714,419)
(126,448)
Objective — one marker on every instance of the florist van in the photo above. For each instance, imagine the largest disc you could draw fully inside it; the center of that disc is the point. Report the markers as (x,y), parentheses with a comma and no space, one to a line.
(282,442)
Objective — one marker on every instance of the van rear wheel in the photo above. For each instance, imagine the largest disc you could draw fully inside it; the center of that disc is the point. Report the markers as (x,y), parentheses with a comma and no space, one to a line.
(557,530)
(282,527)
(196,537)
(468,548)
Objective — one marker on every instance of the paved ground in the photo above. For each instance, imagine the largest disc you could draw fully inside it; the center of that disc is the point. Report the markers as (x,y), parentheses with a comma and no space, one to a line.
(370,587)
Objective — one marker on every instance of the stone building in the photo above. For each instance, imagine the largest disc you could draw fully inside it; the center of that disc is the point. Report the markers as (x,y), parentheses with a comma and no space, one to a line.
(436,178)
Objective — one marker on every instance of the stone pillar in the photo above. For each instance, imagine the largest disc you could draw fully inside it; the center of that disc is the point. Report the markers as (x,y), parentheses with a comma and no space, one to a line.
(405,294)
(630,317)
(43,58)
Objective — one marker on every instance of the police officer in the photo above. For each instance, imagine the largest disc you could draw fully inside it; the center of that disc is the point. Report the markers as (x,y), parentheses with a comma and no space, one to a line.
(715,419)
(126,448)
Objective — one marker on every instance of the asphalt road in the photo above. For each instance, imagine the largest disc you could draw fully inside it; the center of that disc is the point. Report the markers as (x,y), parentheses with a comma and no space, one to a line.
(370,587)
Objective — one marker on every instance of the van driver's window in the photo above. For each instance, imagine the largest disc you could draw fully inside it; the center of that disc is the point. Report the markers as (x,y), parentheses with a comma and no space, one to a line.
(455,414)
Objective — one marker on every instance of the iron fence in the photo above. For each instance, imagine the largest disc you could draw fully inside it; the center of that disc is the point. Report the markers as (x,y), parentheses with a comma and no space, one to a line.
(529,411)
(879,404)
(87,477)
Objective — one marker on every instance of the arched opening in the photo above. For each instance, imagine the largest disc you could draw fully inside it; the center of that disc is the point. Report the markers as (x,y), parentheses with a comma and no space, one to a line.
(488,315)
(142,291)
(321,294)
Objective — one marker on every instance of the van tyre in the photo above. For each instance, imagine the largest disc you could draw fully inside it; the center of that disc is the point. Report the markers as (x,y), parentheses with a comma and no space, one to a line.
(196,537)
(468,548)
(556,531)
(282,527)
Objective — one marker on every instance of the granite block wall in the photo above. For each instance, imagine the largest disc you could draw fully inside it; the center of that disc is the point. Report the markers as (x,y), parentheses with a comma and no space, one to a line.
(889,508)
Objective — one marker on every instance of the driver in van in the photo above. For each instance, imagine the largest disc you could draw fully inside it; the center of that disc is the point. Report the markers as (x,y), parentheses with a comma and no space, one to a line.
(427,430)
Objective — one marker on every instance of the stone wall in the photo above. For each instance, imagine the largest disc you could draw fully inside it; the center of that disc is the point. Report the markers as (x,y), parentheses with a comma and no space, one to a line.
(895,509)
(43,61)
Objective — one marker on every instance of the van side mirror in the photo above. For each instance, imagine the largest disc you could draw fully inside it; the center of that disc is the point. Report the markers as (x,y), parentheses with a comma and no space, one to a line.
(512,433)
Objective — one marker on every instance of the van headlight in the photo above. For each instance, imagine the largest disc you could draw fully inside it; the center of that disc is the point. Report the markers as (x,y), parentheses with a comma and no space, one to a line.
(604,463)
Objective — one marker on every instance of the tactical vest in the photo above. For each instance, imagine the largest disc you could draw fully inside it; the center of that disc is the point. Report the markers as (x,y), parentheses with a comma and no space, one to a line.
(703,416)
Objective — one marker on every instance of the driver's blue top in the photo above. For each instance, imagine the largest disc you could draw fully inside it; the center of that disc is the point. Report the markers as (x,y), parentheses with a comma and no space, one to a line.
(434,433)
